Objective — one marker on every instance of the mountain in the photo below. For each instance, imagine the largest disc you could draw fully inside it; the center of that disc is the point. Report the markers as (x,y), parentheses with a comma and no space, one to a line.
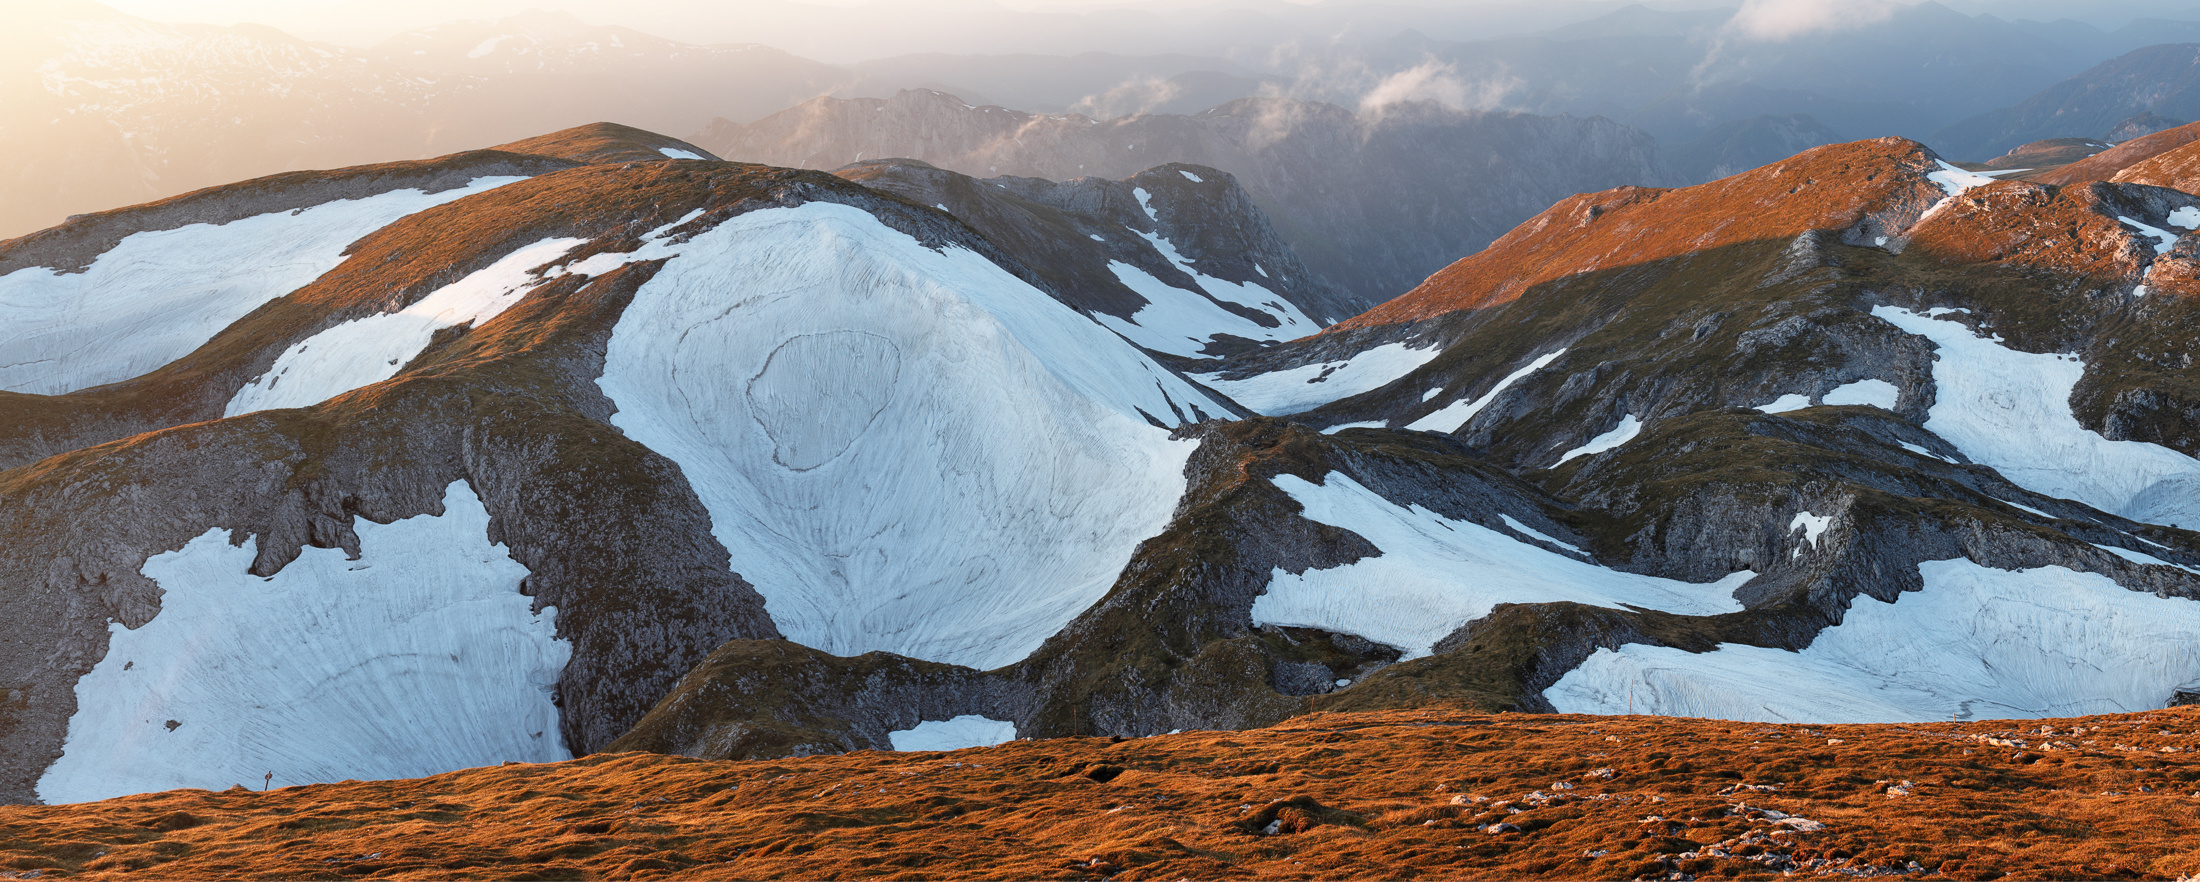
(1874,391)
(1745,144)
(1372,201)
(454,474)
(593,443)
(2162,79)
(2107,164)
(110,109)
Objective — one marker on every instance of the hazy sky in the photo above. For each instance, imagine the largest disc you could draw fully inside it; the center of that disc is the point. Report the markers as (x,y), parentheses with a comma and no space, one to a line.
(851,30)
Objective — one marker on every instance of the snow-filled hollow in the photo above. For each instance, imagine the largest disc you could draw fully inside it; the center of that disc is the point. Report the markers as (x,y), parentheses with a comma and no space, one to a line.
(1975,643)
(2010,410)
(420,657)
(968,730)
(157,295)
(902,449)
(1436,574)
(1303,388)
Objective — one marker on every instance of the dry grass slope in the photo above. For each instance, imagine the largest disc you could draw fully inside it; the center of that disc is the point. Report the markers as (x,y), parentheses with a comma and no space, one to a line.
(1331,796)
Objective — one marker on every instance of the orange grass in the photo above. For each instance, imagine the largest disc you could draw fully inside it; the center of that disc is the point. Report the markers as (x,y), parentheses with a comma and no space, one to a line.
(1408,795)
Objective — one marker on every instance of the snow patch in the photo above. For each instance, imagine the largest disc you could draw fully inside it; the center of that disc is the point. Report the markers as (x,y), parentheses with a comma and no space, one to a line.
(2164,239)
(2010,410)
(1877,393)
(1303,388)
(1626,431)
(1924,452)
(1785,403)
(1955,180)
(418,658)
(366,351)
(1975,643)
(2187,217)
(1190,177)
(1436,574)
(903,449)
(158,295)
(1812,526)
(487,46)
(677,153)
(1457,413)
(968,730)
(1370,424)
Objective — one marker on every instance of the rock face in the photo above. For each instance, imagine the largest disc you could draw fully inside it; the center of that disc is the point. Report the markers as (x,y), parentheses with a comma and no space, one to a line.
(1373,202)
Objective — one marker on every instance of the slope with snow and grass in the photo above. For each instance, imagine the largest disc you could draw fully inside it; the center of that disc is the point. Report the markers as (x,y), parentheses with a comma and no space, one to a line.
(157,295)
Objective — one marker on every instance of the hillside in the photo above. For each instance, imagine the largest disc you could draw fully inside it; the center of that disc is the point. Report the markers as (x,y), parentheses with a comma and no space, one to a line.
(1332,796)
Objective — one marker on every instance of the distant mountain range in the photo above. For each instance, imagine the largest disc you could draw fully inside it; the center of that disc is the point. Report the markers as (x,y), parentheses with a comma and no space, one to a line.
(1372,201)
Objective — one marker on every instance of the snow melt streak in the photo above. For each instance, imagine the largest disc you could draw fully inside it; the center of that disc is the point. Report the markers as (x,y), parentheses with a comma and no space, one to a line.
(1436,574)
(904,450)
(420,657)
(157,295)
(1976,643)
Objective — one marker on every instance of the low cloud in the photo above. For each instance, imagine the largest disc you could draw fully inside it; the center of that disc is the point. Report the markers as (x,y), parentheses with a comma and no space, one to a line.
(1780,20)
(1441,83)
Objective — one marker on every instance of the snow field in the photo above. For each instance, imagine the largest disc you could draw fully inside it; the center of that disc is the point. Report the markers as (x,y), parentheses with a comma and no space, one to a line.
(1303,388)
(158,295)
(1436,574)
(2010,410)
(1975,643)
(366,351)
(968,730)
(903,450)
(1457,413)
(418,658)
